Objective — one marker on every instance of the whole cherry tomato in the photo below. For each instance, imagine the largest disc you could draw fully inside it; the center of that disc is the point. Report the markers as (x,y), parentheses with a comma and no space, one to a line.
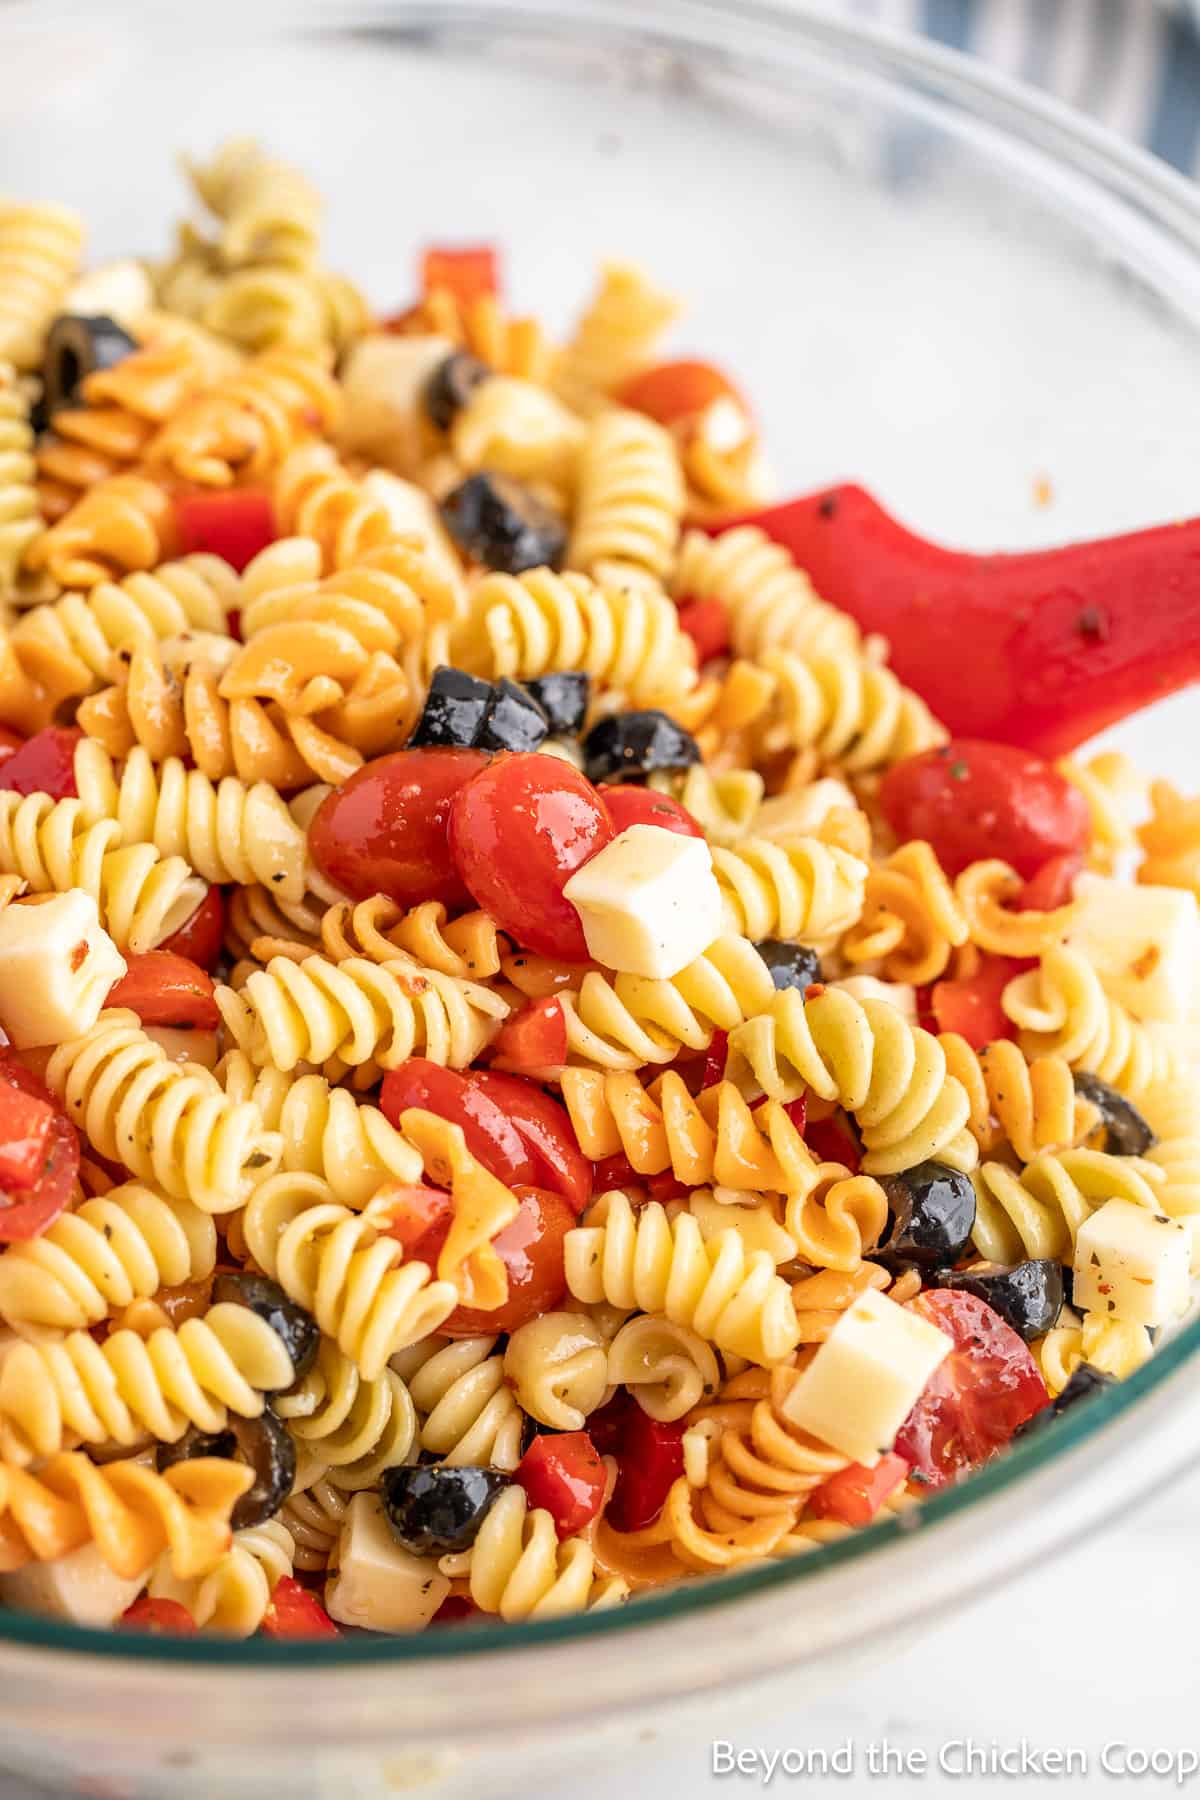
(531,1249)
(295,1613)
(544,1126)
(518,832)
(234,525)
(642,806)
(855,1494)
(384,831)
(971,799)
(161,1618)
(25,1212)
(201,937)
(25,1123)
(533,1040)
(975,1400)
(563,1474)
(165,989)
(706,622)
(44,764)
(491,1135)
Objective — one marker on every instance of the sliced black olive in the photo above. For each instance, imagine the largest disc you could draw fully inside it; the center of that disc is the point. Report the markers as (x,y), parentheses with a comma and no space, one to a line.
(263,1444)
(1126,1133)
(75,348)
(1029,1296)
(439,1509)
(629,746)
(791,965)
(932,1215)
(451,386)
(1085,1382)
(500,523)
(513,721)
(298,1329)
(454,710)
(564,698)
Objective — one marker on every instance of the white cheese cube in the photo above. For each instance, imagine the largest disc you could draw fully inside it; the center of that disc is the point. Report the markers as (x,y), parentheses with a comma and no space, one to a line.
(649,902)
(120,290)
(1132,1264)
(57,965)
(866,1377)
(383,383)
(79,1587)
(379,1585)
(1143,942)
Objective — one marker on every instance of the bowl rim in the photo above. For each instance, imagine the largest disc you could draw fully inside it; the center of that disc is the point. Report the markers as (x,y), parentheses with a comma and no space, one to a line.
(1170,204)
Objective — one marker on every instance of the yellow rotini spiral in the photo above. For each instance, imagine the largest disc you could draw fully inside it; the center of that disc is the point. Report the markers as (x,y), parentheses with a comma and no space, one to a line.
(462,1393)
(68,647)
(721,709)
(316,497)
(715,1138)
(324,1130)
(557,1366)
(798,888)
(984,892)
(724,803)
(1061,1009)
(1173,1113)
(518,1569)
(142,897)
(168,1125)
(1038,1211)
(234,1596)
(356,1012)
(518,428)
(510,346)
(95,1260)
(1113,1346)
(1115,792)
(123,524)
(344,1269)
(616,335)
(20,520)
(56,1394)
(227,832)
(468,947)
(268,308)
(628,640)
(242,428)
(121,409)
(269,211)
(315,1519)
(772,604)
(630,499)
(911,919)
(667,1368)
(255,914)
(39,254)
(733,1300)
(358,1428)
(866,1057)
(624,1021)
(1170,838)
(851,712)
(1031,1105)
(131,1513)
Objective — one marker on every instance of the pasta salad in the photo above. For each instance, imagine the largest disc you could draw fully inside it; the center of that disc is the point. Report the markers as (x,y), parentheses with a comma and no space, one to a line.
(535,1066)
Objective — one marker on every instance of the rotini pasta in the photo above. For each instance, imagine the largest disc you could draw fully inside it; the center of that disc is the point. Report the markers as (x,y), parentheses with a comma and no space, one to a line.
(20,521)
(518,1568)
(798,888)
(616,336)
(668,1368)
(39,255)
(1170,837)
(630,500)
(983,890)
(772,604)
(124,524)
(463,1394)
(1039,1211)
(1033,1106)
(355,1427)
(558,1368)
(1062,1010)
(911,918)
(243,427)
(233,1597)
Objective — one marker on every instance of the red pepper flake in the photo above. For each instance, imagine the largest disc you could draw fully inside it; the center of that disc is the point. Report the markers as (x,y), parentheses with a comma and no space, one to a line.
(814,990)
(1093,624)
(1144,965)
(79,956)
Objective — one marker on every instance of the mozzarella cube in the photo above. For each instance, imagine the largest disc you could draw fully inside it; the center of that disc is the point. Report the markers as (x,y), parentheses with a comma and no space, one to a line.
(120,290)
(379,1585)
(79,1587)
(1143,942)
(866,1378)
(1132,1264)
(57,965)
(649,902)
(384,383)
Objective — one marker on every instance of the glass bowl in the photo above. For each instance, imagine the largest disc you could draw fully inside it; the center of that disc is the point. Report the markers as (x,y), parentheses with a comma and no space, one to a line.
(931,281)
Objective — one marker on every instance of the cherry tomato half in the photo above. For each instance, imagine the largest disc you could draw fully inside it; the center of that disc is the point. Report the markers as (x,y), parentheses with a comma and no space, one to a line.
(642,806)
(295,1613)
(706,622)
(544,1126)
(672,391)
(616,1171)
(649,1460)
(234,526)
(165,989)
(26,1212)
(44,764)
(1053,885)
(971,1007)
(413,1212)
(564,1474)
(384,831)
(491,1135)
(518,832)
(971,799)
(531,1249)
(161,1618)
(855,1494)
(534,1040)
(25,1122)
(976,1399)
(201,937)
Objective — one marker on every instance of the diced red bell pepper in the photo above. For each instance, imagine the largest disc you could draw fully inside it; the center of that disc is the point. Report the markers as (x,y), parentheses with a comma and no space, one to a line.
(832,1140)
(534,1040)
(855,1494)
(972,1007)
(649,1459)
(456,1608)
(165,989)
(44,764)
(161,1618)
(1040,648)
(295,1613)
(564,1474)
(470,272)
(234,525)
(25,1123)
(706,622)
